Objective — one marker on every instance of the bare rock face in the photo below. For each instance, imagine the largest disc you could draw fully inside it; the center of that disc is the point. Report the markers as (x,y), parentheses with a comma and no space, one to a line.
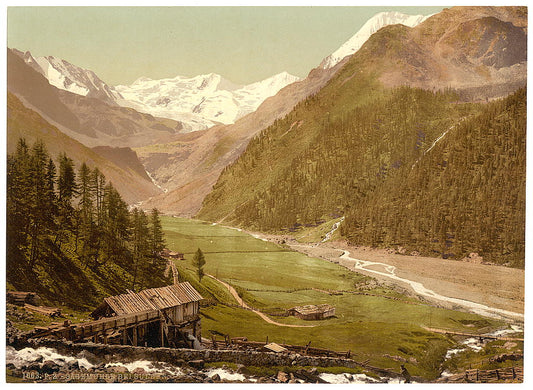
(481,50)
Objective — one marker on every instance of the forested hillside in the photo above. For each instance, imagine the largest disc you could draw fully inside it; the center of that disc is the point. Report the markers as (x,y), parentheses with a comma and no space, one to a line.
(70,236)
(410,168)
(466,195)
(365,145)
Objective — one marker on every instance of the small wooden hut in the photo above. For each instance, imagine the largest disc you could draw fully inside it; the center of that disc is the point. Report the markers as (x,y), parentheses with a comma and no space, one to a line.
(175,315)
(312,312)
(173,255)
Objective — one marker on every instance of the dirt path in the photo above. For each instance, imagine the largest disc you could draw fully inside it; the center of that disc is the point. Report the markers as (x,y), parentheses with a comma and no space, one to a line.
(240,301)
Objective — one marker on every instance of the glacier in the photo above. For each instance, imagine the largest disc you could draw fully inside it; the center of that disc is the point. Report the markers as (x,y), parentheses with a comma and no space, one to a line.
(201,101)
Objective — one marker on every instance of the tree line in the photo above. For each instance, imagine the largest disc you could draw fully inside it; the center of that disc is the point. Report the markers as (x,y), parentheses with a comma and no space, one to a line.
(69,230)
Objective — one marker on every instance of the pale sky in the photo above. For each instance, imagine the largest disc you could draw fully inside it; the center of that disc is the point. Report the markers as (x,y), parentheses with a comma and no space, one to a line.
(243,44)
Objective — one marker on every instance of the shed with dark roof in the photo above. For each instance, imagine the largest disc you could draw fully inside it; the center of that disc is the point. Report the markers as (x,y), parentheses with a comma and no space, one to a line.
(312,312)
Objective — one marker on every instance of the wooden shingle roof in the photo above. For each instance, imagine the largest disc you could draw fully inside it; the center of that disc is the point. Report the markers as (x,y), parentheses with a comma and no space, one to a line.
(153,299)
(312,309)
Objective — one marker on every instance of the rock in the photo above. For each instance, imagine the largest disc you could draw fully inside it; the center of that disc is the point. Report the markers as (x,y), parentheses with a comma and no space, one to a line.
(50,367)
(282,377)
(215,378)
(139,371)
(73,365)
(199,364)
(509,345)
(117,369)
(240,368)
(33,366)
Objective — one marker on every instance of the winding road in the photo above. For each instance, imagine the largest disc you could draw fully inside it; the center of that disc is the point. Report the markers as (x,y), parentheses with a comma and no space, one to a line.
(240,301)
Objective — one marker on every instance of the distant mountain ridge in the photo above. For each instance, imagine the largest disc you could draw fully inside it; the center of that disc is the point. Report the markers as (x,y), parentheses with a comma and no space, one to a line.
(89,120)
(200,101)
(197,102)
(69,77)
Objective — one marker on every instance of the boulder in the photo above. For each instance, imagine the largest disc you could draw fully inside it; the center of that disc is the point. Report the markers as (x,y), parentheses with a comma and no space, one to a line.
(198,364)
(50,367)
(282,377)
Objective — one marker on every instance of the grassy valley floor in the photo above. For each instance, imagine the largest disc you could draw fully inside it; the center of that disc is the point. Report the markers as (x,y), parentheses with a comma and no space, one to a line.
(376,323)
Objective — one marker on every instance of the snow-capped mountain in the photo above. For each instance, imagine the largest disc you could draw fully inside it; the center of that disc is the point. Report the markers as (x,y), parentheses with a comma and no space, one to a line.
(373,24)
(201,101)
(69,77)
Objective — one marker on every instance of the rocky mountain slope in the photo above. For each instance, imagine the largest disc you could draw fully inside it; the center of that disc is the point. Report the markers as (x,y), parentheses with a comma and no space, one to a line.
(188,168)
(374,24)
(69,77)
(334,151)
(25,123)
(88,120)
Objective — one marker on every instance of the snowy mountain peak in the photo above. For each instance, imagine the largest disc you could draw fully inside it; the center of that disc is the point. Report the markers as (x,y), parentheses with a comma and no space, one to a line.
(64,75)
(201,101)
(375,23)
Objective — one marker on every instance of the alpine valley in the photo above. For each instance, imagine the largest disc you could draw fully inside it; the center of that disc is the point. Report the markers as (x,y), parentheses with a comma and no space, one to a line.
(390,182)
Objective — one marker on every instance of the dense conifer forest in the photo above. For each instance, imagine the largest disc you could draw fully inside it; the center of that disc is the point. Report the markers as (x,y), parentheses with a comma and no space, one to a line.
(407,167)
(70,236)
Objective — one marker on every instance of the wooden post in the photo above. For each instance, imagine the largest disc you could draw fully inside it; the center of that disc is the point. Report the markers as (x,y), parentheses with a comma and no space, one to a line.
(161,333)
(125,335)
(307,347)
(135,332)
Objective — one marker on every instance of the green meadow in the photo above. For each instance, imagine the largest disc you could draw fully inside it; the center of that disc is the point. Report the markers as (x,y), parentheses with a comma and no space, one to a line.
(273,278)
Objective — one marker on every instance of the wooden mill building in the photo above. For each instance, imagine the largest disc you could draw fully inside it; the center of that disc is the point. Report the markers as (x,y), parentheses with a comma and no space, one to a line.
(312,312)
(164,316)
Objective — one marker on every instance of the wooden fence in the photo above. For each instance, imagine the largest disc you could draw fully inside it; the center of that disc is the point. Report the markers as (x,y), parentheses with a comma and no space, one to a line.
(509,374)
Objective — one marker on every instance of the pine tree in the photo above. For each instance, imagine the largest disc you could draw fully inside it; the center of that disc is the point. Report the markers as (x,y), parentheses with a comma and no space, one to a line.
(198,261)
(157,239)
(141,249)
(67,190)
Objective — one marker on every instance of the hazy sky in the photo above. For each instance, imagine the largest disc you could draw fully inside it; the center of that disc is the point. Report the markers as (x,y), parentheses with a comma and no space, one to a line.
(244,44)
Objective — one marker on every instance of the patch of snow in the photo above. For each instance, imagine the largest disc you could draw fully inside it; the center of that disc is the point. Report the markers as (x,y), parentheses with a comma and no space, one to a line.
(165,190)
(374,24)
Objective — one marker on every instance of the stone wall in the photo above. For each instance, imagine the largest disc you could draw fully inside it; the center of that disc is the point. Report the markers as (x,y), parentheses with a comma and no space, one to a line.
(126,353)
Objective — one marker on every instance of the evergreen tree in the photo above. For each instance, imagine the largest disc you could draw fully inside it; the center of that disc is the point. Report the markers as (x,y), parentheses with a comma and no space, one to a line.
(66,188)
(71,237)
(157,238)
(198,262)
(141,249)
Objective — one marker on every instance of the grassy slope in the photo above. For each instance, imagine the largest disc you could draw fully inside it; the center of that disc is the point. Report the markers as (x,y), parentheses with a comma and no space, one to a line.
(369,326)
